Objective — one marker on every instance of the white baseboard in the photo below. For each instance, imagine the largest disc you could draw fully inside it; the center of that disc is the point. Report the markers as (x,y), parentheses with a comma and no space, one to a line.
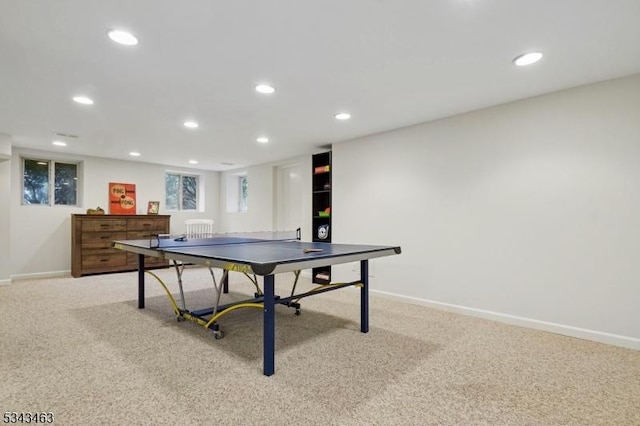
(5,282)
(565,330)
(39,275)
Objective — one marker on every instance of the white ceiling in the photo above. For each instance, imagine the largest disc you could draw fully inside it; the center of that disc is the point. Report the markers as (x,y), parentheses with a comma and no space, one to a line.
(390,63)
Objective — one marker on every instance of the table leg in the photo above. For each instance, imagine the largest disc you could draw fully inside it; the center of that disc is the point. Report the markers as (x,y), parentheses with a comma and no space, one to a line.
(364,296)
(269,326)
(141,281)
(225,283)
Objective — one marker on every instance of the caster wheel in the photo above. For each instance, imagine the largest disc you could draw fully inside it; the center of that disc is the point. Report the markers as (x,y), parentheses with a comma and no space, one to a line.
(218,335)
(298,312)
(180,319)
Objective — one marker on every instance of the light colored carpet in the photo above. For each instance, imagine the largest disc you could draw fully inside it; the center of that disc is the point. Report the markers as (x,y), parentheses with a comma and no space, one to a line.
(81,349)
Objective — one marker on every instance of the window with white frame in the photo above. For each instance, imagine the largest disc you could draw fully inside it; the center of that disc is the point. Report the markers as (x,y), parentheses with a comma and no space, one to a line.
(181,191)
(49,182)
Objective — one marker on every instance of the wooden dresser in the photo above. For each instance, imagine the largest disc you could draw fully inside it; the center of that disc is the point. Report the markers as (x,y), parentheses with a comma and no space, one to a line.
(92,235)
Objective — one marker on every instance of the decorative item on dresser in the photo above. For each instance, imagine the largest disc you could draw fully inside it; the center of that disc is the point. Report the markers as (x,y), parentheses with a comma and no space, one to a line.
(92,235)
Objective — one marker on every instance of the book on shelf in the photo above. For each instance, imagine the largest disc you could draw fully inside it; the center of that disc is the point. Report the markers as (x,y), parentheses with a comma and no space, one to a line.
(322,276)
(322,169)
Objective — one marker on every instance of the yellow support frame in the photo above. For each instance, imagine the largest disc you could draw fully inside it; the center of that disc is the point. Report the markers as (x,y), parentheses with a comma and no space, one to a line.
(206,324)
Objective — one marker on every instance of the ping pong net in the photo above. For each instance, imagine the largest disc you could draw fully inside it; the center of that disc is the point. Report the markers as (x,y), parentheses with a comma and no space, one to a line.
(161,241)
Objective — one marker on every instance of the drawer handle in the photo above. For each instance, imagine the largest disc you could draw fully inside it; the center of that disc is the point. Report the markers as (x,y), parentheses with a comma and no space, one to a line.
(104,225)
(146,224)
(104,260)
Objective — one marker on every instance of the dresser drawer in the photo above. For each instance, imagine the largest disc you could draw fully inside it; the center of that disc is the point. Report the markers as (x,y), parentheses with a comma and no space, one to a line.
(140,235)
(104,225)
(97,250)
(93,239)
(146,224)
(97,261)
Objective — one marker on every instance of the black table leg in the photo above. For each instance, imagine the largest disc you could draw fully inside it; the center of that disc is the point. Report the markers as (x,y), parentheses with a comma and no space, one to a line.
(269,326)
(225,283)
(364,296)
(141,281)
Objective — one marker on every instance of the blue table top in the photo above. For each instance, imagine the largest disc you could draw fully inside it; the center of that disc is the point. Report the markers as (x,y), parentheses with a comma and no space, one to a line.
(263,256)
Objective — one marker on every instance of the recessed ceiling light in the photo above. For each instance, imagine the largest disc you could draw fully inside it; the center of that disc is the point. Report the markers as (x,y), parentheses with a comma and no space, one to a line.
(265,88)
(191,124)
(59,143)
(193,162)
(262,139)
(123,37)
(527,59)
(342,116)
(134,154)
(84,100)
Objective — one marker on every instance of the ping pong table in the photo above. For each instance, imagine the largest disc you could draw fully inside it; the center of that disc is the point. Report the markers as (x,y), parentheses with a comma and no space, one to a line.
(254,254)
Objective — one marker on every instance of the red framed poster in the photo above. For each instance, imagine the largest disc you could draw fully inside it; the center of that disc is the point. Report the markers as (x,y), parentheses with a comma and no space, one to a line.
(122,198)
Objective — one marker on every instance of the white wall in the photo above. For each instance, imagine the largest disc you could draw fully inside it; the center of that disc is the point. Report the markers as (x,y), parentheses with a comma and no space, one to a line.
(527,212)
(5,147)
(40,236)
(291,203)
(261,214)
(5,191)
